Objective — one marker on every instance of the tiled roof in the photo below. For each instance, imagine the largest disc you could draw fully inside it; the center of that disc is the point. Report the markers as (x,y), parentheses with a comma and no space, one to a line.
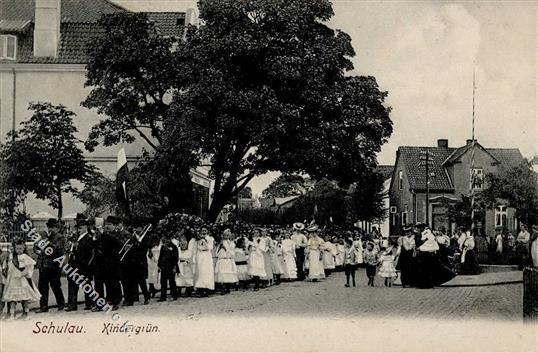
(80,11)
(78,27)
(168,23)
(385,171)
(416,171)
(507,156)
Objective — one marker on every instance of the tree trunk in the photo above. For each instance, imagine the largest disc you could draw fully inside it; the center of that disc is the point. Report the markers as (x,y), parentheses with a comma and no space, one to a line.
(219,200)
(60,204)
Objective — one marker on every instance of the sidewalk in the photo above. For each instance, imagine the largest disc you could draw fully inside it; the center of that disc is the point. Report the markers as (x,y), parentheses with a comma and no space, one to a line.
(483,279)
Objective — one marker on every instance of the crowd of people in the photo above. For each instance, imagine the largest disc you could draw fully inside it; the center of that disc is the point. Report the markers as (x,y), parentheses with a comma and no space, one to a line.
(120,262)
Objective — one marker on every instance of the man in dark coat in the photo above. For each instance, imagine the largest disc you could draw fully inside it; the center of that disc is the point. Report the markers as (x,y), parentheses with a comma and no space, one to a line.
(50,271)
(134,268)
(108,261)
(168,265)
(81,255)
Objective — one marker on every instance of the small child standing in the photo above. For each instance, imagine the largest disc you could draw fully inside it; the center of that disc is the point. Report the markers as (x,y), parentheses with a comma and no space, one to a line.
(241,263)
(185,276)
(370,258)
(387,269)
(349,261)
(19,285)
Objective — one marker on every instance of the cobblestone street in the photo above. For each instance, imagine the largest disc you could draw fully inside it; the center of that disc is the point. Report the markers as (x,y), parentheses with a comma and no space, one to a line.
(325,315)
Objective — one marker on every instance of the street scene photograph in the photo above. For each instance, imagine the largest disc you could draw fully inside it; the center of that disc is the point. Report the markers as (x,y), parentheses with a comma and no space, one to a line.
(268,175)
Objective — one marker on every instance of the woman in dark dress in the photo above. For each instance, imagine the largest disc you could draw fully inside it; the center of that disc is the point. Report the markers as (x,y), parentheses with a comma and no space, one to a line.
(430,271)
(406,258)
(469,262)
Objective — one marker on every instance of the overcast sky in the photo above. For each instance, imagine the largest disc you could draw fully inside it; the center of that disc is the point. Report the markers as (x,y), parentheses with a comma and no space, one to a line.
(424,53)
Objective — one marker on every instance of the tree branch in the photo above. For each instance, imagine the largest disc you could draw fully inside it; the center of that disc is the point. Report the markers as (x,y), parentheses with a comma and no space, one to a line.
(145,137)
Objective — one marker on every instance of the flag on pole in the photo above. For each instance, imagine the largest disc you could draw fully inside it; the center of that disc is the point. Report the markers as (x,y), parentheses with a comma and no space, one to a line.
(122,173)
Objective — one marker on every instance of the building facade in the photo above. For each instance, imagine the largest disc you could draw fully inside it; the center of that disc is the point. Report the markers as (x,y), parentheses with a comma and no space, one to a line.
(43,53)
(449,173)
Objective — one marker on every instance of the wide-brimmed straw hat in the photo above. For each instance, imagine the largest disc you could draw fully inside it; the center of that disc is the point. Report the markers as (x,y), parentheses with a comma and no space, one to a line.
(313,228)
(298,226)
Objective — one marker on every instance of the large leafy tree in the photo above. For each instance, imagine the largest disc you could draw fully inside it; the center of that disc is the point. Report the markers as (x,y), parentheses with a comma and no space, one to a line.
(43,156)
(268,91)
(11,197)
(287,185)
(260,86)
(518,185)
(367,198)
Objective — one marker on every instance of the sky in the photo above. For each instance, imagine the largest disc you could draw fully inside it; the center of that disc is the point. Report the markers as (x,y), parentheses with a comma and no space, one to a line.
(425,53)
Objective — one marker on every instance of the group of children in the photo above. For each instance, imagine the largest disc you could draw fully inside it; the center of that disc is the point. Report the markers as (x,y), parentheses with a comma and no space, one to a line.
(200,264)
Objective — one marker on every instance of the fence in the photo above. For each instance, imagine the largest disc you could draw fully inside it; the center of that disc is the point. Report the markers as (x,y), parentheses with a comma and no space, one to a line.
(530,294)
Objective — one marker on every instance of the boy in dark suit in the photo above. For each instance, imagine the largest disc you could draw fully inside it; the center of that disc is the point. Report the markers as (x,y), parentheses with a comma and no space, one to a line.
(168,266)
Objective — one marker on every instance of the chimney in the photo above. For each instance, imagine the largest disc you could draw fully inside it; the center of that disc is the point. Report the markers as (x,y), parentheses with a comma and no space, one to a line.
(442,143)
(47,28)
(470,141)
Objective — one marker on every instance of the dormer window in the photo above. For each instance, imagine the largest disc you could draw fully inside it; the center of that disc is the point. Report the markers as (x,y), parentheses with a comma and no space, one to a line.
(8,47)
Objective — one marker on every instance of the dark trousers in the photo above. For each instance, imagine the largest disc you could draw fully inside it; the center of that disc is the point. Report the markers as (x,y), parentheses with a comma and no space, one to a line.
(130,289)
(99,286)
(299,255)
(168,277)
(113,291)
(72,292)
(50,278)
(349,270)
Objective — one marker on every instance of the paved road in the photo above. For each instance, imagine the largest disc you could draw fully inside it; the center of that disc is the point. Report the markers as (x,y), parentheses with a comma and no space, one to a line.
(304,316)
(330,298)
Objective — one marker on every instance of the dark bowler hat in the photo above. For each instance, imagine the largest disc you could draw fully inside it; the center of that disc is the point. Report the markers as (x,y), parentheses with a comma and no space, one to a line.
(420,225)
(52,222)
(81,220)
(113,220)
(408,228)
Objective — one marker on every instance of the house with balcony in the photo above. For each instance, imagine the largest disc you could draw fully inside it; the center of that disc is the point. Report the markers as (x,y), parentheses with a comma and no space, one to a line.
(450,173)
(43,53)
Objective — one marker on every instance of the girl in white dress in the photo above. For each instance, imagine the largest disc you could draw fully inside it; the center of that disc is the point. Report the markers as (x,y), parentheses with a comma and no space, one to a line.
(314,248)
(276,260)
(359,250)
(256,259)
(184,278)
(329,252)
(288,254)
(267,255)
(340,255)
(387,269)
(204,274)
(19,285)
(154,279)
(241,262)
(225,269)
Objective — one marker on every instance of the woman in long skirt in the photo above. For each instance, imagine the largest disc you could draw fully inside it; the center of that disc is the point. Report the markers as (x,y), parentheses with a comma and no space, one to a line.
(288,253)
(204,276)
(406,258)
(314,248)
(430,271)
(469,263)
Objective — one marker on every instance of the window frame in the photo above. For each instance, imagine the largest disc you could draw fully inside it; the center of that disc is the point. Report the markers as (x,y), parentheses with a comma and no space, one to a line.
(471,173)
(400,180)
(501,216)
(4,39)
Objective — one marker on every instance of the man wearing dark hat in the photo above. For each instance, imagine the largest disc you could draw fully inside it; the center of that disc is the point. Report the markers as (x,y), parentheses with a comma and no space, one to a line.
(107,259)
(80,254)
(49,271)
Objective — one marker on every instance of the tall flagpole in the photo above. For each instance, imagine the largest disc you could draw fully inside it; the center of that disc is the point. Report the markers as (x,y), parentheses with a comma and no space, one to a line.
(472,172)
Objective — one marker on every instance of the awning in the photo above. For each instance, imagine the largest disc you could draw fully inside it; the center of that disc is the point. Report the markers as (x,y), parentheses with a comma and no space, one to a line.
(14,25)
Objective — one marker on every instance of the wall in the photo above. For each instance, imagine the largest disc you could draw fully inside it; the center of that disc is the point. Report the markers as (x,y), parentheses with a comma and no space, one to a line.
(461,171)
(400,198)
(63,84)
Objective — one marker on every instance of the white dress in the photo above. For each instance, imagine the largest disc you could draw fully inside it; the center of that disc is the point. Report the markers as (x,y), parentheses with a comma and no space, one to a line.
(241,264)
(184,278)
(276,259)
(256,259)
(204,275)
(225,269)
(267,257)
(357,244)
(153,269)
(340,255)
(315,263)
(288,254)
(329,252)
(387,269)
(19,285)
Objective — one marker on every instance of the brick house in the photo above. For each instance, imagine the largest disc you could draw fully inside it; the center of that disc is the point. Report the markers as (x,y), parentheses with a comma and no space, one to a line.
(449,172)
(43,53)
